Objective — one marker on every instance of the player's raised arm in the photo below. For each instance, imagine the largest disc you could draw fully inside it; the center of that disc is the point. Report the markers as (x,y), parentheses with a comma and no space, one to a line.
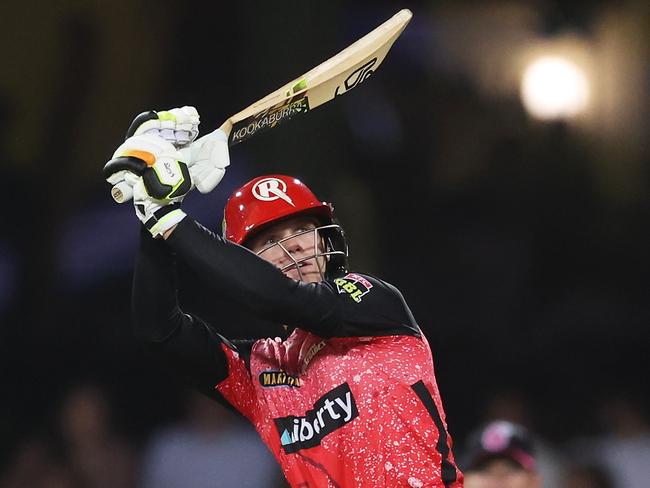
(150,167)
(181,340)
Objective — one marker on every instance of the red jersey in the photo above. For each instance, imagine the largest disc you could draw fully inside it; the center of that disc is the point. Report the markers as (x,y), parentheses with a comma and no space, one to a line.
(346,412)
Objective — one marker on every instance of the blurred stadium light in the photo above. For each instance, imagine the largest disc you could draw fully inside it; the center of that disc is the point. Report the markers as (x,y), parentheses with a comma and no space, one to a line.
(554,87)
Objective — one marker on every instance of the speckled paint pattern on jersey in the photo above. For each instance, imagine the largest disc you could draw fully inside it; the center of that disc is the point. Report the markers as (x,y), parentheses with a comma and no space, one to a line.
(356,411)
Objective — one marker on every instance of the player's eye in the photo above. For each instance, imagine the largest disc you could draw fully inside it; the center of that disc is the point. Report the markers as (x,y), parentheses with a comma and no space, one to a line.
(305,228)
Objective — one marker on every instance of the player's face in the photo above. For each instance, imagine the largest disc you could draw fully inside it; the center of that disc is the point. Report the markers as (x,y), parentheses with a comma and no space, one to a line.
(501,474)
(294,246)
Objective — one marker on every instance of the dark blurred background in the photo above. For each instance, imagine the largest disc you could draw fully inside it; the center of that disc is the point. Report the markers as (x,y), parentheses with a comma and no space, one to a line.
(518,232)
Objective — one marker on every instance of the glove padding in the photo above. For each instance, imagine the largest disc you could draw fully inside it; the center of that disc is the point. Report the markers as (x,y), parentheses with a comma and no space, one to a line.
(163,179)
(206,158)
(180,126)
(158,162)
(158,216)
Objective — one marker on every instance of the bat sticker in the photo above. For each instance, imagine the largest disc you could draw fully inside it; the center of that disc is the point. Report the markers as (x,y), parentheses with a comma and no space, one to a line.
(269,118)
(357,76)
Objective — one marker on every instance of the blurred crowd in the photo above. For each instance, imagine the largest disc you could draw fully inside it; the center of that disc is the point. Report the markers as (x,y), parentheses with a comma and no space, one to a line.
(82,448)
(509,451)
(209,446)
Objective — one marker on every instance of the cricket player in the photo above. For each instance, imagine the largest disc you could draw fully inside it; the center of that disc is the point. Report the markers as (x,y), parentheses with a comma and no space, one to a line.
(349,397)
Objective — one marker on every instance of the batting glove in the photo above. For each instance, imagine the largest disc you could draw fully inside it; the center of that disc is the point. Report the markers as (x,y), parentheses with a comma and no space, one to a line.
(180,126)
(158,216)
(207,157)
(162,180)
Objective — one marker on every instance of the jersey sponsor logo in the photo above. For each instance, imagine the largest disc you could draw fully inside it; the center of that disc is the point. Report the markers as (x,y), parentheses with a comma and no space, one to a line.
(313,350)
(269,379)
(331,412)
(354,285)
(269,189)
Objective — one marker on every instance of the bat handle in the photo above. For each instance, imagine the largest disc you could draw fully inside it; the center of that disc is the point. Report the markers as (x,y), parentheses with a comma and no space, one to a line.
(122,192)
(226,127)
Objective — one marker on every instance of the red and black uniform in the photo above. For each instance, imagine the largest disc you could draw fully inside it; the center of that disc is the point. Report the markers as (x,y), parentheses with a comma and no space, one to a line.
(349,399)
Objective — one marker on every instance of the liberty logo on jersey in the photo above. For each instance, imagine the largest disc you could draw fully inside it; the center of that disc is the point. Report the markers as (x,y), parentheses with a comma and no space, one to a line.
(331,411)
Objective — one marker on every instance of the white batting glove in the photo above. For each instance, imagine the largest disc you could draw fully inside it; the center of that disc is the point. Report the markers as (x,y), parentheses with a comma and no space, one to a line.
(158,179)
(208,159)
(180,126)
(158,216)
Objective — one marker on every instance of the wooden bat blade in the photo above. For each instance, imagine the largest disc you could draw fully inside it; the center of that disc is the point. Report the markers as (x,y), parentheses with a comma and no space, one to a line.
(330,79)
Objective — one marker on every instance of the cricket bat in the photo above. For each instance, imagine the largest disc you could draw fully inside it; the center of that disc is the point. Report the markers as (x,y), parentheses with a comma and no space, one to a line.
(328,80)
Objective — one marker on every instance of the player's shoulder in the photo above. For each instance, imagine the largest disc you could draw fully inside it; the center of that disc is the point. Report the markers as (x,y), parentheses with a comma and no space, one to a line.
(372,306)
(360,285)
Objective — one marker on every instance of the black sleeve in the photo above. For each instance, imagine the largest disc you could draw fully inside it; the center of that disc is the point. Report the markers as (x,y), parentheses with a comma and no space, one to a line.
(328,309)
(181,341)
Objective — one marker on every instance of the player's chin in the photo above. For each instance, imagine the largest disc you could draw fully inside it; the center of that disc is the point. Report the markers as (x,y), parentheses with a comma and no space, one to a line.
(306,274)
(312,277)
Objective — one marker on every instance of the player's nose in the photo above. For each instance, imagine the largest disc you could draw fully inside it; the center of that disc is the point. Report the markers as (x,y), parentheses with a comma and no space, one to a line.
(294,245)
(294,251)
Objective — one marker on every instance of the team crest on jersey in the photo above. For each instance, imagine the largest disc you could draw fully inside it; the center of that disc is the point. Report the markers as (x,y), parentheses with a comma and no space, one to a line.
(270,379)
(331,412)
(354,285)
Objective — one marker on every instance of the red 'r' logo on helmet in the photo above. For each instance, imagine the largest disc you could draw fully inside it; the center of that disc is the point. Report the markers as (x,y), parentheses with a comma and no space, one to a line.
(270,189)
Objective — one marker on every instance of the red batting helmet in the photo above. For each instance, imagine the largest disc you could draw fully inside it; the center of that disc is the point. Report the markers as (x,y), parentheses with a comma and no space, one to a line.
(268,199)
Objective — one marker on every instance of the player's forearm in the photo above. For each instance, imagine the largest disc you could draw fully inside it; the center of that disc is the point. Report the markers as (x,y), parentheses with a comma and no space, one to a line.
(230,270)
(182,341)
(154,304)
(250,282)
